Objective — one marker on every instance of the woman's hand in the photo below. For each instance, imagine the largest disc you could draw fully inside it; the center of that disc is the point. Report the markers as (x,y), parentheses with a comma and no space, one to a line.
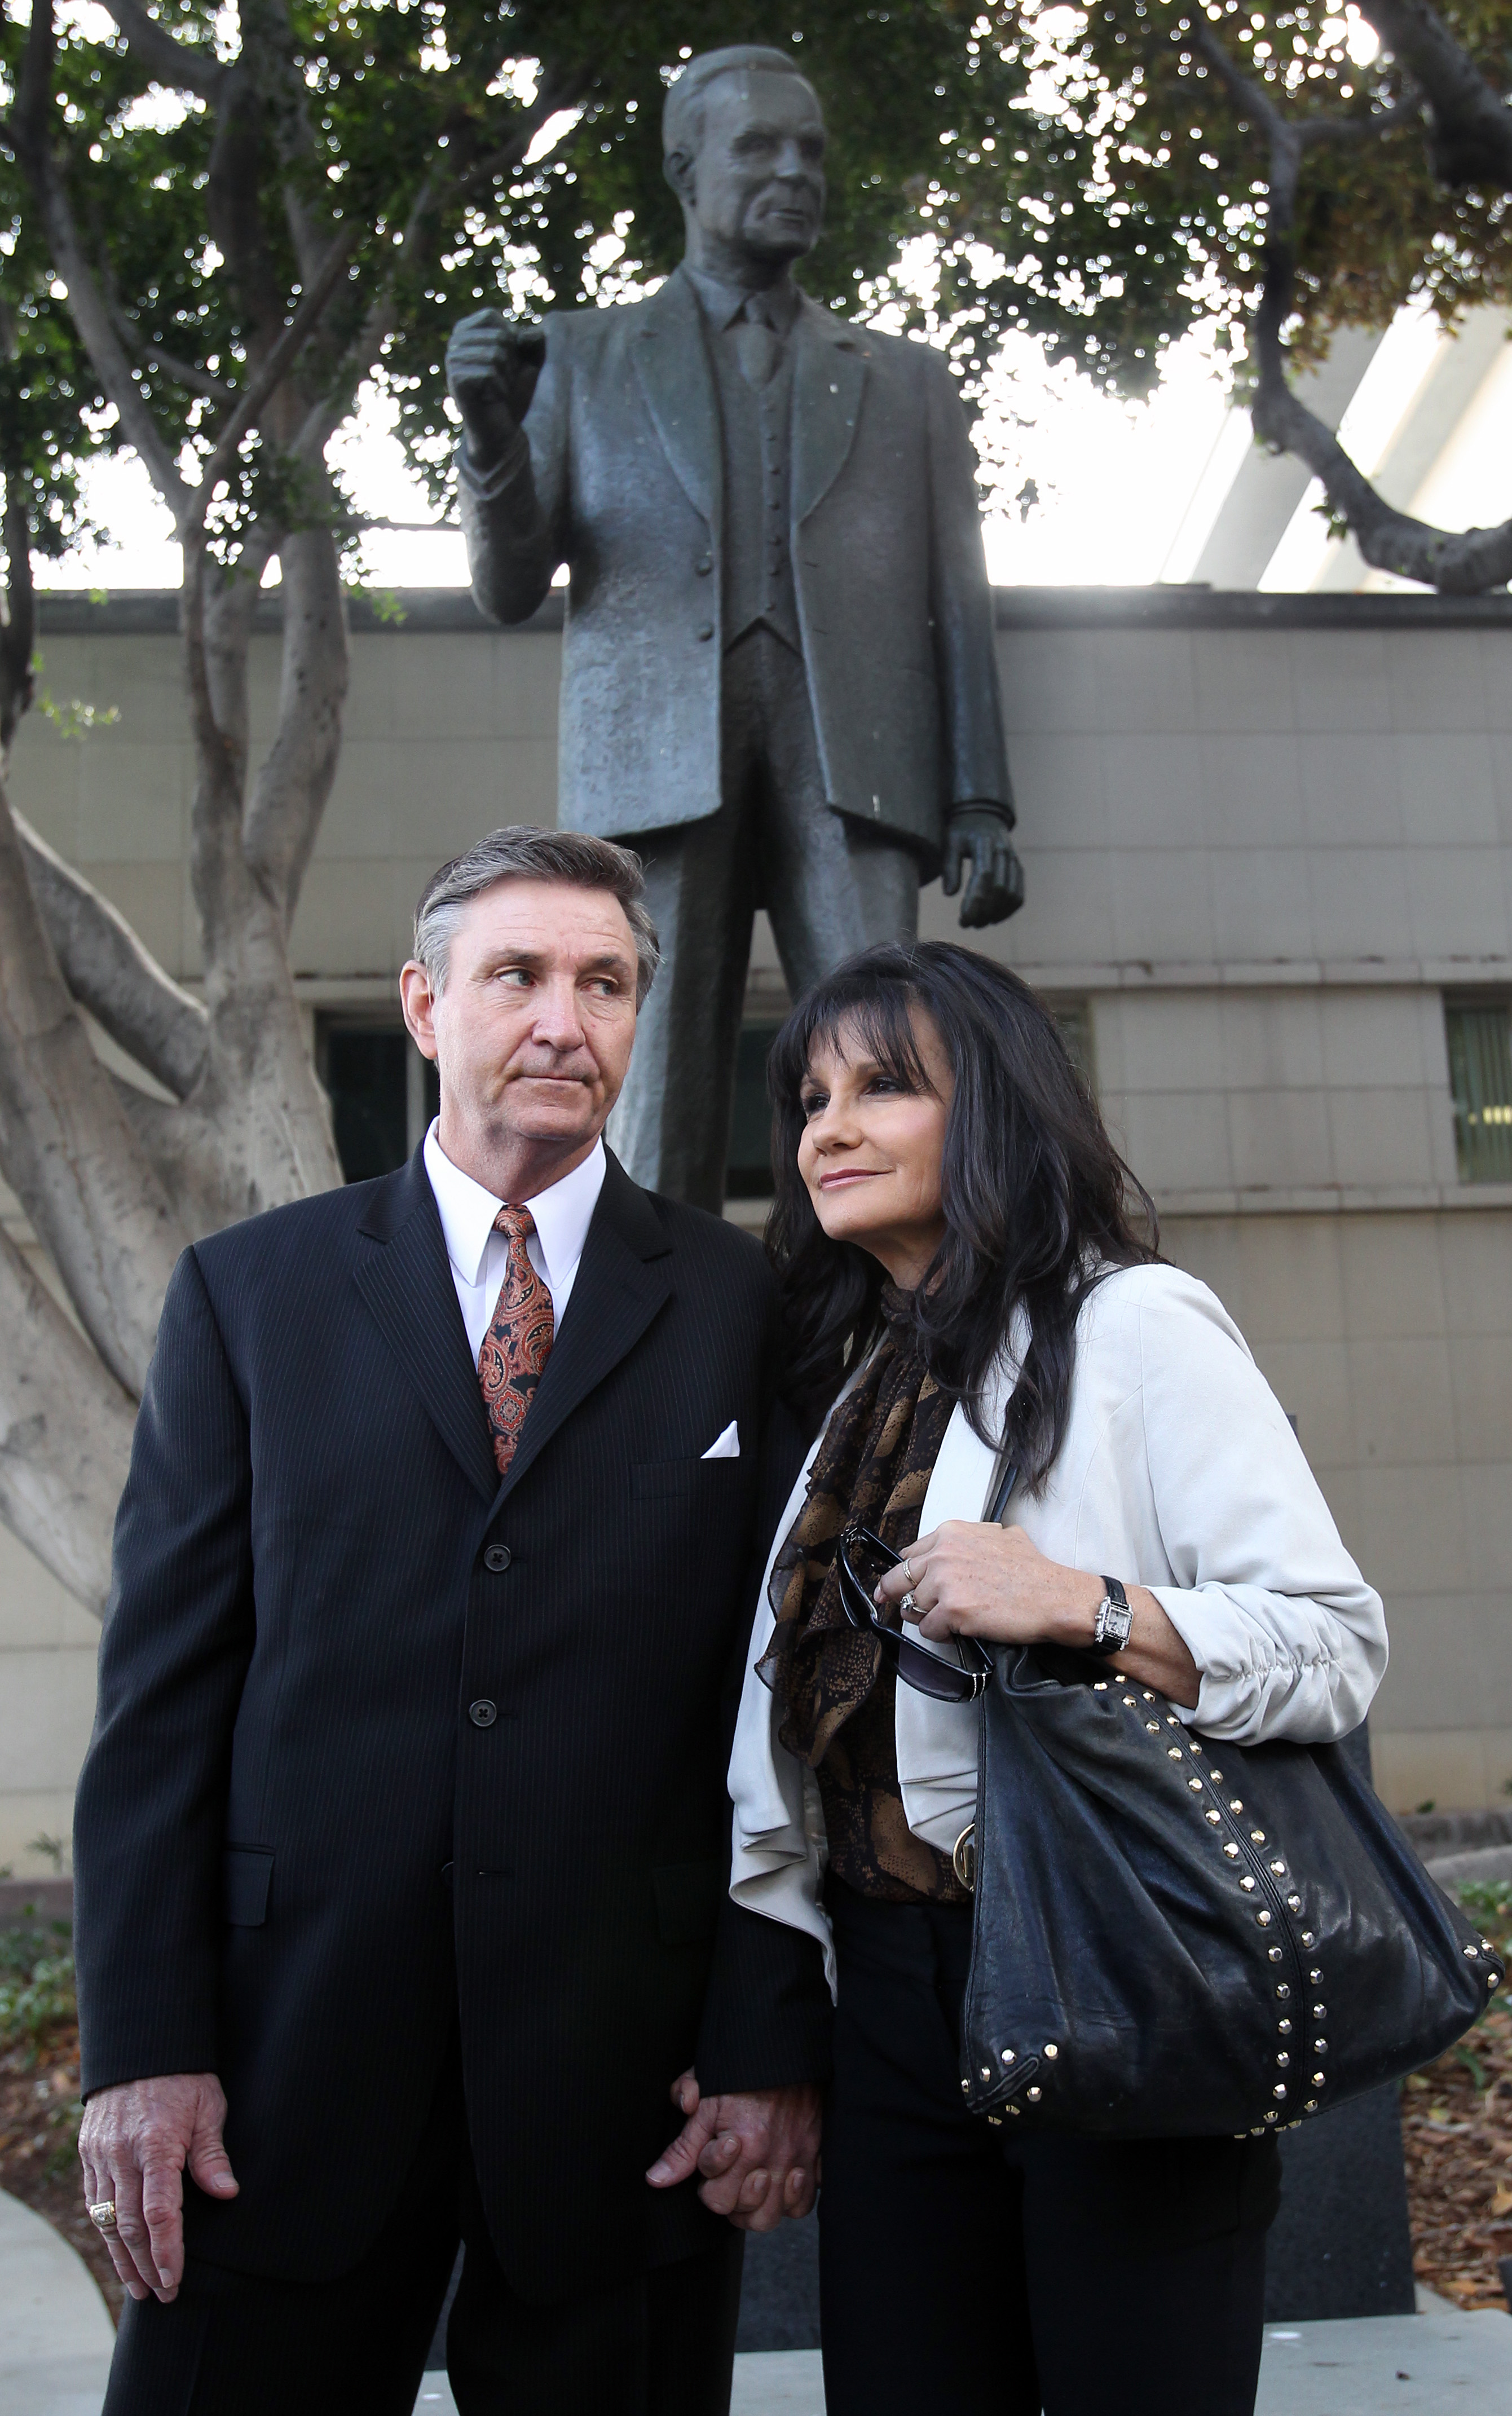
(971,1577)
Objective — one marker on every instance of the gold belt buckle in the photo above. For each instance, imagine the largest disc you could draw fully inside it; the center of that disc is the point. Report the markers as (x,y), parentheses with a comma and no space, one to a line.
(963,1857)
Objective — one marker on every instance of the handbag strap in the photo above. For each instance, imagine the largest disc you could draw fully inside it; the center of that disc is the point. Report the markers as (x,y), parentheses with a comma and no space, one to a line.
(1000,1499)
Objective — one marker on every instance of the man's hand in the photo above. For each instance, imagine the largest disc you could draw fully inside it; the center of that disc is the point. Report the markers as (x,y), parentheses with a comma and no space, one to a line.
(491,370)
(133,2144)
(757,2153)
(995,889)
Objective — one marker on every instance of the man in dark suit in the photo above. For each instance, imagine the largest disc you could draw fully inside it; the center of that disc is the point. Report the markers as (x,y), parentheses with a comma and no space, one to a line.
(779,679)
(401,1846)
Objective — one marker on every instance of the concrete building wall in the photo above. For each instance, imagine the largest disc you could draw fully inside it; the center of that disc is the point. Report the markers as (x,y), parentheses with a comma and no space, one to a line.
(1263,836)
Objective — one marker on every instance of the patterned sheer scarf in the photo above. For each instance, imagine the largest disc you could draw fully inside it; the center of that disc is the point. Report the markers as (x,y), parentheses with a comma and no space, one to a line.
(836,1705)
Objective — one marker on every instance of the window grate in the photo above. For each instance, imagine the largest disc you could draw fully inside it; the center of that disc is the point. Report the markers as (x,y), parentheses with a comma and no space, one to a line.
(383,1092)
(1073,1015)
(1481,1078)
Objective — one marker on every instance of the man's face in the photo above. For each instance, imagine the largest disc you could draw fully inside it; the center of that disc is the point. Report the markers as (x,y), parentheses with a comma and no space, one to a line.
(757,184)
(532,1028)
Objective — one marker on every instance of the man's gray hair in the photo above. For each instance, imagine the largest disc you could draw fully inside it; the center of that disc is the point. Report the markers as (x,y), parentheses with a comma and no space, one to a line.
(524,852)
(682,111)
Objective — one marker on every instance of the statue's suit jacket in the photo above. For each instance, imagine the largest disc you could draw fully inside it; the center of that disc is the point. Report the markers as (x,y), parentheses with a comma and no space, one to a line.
(300,1859)
(623,482)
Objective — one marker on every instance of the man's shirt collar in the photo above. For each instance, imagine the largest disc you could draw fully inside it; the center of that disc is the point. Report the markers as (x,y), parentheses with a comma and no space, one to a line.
(562,1212)
(722,304)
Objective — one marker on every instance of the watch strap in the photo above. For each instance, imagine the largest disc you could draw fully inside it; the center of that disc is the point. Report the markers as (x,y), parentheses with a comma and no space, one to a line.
(1114,1619)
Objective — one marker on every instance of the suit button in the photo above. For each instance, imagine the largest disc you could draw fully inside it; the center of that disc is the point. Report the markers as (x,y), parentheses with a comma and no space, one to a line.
(497,1557)
(703,565)
(483,1713)
(708,629)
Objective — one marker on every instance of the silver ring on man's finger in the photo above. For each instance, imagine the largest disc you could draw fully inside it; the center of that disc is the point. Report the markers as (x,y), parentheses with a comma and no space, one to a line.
(103,2215)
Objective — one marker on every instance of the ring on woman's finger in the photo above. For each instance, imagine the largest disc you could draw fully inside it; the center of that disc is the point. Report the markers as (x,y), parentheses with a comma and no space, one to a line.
(102,2215)
(909,1607)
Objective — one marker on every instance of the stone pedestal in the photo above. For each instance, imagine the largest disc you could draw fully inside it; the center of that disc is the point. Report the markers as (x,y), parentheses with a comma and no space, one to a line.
(1340,2244)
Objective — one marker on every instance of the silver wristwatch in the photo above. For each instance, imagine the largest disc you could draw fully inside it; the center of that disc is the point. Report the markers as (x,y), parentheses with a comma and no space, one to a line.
(1114,1622)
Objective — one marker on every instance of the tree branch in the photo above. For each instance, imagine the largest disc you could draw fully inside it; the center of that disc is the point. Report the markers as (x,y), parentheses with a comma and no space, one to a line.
(153,356)
(1463,563)
(65,1435)
(233,211)
(112,974)
(295,778)
(1457,564)
(410,252)
(18,615)
(1471,125)
(271,376)
(31,135)
(181,66)
(268,47)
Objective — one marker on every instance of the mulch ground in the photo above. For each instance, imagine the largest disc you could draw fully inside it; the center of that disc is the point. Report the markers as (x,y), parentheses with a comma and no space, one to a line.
(39,2161)
(1457,2126)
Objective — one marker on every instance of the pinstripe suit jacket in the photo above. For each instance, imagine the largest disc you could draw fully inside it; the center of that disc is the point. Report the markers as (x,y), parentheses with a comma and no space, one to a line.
(300,1855)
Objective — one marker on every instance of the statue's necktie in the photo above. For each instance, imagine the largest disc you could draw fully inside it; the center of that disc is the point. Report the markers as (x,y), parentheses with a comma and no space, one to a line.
(519,1340)
(758,345)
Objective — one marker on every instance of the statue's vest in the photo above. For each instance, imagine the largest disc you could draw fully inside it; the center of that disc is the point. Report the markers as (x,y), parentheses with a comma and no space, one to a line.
(757,423)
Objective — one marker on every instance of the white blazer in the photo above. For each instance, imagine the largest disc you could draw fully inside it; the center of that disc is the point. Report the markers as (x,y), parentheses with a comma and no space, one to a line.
(1178,1472)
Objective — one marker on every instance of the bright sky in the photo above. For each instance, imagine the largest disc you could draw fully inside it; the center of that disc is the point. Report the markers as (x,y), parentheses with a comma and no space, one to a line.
(1125,494)
(1128,493)
(1114,482)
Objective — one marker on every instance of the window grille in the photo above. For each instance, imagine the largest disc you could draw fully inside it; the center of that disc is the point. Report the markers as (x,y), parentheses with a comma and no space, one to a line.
(383,1092)
(1074,1017)
(1480,1077)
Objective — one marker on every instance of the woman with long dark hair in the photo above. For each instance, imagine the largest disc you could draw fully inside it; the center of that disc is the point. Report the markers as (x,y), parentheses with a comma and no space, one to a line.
(971,1283)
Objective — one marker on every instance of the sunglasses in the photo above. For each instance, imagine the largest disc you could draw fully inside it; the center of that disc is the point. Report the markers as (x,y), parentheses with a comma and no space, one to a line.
(864,1559)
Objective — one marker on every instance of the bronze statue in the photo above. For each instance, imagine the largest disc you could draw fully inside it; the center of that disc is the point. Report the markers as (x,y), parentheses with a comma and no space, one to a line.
(778,681)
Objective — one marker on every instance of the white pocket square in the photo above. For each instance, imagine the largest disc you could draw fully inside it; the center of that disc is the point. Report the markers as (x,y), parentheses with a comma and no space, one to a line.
(725,1446)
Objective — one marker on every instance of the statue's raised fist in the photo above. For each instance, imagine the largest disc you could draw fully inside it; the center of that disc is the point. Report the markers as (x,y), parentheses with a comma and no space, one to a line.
(491,369)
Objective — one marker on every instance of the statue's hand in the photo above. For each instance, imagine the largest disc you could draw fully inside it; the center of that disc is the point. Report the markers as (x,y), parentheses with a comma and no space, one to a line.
(491,370)
(995,889)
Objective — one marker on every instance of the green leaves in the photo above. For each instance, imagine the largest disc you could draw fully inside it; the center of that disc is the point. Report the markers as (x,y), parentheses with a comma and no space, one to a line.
(1083,174)
(1135,144)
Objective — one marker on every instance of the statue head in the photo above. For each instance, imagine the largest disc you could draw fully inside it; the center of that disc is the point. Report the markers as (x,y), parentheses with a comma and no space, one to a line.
(743,146)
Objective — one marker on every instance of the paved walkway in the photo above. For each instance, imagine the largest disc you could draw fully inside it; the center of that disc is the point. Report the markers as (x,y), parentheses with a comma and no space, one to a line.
(55,2346)
(55,2331)
(1441,2363)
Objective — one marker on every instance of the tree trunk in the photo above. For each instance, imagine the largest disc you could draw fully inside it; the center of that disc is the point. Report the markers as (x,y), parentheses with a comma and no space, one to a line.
(65,1147)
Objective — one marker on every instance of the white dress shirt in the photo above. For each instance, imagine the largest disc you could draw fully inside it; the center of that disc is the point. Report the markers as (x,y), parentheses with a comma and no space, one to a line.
(478,1255)
(1178,1471)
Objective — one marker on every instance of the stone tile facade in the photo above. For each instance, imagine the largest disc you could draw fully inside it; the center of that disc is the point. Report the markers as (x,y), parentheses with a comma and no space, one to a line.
(1263,836)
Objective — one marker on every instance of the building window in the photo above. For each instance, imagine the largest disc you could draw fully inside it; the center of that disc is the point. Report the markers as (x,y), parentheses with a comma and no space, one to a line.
(383,1092)
(1073,1017)
(1479,1035)
(749,1170)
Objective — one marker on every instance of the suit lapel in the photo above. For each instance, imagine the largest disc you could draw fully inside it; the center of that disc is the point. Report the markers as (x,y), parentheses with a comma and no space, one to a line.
(672,361)
(405,1276)
(622,1280)
(829,372)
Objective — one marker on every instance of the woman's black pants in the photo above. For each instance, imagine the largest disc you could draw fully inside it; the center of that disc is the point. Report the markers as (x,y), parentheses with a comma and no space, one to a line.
(984,2275)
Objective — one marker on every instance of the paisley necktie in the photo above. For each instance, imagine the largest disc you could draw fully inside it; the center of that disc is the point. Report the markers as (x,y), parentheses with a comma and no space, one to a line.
(519,1340)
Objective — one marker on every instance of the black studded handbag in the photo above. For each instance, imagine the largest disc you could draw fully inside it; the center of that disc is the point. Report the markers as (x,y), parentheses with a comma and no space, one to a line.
(1177,1938)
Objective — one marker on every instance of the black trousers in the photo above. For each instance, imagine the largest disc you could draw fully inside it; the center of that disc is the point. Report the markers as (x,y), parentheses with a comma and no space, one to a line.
(964,2269)
(830,885)
(237,2344)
